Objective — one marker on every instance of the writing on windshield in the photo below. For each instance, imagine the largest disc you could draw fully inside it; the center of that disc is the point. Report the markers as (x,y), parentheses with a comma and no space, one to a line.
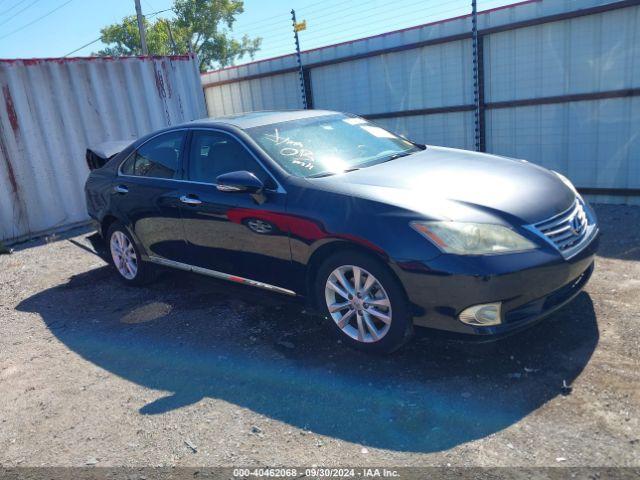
(292,149)
(328,144)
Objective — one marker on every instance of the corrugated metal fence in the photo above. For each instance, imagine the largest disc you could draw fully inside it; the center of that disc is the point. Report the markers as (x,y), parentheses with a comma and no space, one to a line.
(559,81)
(52,109)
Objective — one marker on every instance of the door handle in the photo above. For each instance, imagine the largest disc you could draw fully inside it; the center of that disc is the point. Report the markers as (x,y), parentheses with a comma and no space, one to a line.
(120,189)
(190,200)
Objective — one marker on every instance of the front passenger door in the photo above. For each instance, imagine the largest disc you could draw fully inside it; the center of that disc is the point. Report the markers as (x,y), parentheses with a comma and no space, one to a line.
(234,233)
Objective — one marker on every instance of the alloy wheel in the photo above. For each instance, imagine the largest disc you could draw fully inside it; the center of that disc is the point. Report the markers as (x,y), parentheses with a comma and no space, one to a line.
(124,255)
(358,303)
(259,226)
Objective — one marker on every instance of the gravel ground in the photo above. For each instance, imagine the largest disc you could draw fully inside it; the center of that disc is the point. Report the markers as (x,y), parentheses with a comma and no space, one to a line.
(194,372)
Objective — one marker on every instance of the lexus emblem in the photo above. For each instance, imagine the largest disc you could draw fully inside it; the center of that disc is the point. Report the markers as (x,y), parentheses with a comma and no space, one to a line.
(575,225)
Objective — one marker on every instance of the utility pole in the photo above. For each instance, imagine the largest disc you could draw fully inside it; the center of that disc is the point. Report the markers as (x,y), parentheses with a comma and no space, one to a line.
(296,28)
(173,43)
(143,36)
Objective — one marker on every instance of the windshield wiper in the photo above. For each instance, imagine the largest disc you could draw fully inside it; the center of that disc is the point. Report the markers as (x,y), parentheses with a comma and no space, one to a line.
(328,174)
(388,158)
(395,155)
(321,174)
(385,159)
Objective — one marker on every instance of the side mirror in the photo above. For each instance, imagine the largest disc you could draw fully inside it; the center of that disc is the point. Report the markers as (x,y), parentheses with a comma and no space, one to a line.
(241,181)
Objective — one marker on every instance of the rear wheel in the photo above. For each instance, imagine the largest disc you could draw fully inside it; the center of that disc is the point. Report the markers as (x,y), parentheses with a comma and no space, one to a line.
(125,257)
(364,302)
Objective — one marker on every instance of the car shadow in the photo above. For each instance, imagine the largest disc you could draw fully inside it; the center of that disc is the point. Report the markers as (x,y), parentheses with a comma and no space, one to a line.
(197,337)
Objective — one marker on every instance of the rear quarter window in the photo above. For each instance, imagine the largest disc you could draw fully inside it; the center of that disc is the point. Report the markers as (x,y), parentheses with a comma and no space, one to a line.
(158,158)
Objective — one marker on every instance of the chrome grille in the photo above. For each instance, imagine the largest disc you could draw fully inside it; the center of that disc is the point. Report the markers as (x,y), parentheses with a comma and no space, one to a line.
(567,229)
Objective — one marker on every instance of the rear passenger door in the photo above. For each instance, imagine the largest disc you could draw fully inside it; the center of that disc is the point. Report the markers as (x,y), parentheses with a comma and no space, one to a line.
(147,193)
(233,233)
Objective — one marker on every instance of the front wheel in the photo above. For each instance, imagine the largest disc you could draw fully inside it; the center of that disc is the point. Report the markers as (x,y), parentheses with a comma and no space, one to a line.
(364,302)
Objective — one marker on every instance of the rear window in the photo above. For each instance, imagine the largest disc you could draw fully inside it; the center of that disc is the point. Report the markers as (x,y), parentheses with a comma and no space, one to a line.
(158,158)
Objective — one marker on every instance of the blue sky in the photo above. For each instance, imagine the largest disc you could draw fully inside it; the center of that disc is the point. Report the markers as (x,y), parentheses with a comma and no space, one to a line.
(53,28)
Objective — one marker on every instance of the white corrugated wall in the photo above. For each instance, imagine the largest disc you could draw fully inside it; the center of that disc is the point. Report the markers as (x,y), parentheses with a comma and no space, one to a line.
(52,109)
(454,130)
(521,11)
(596,142)
(429,77)
(276,92)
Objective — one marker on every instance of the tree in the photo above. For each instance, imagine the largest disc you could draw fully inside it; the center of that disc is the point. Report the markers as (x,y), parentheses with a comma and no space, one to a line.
(201,26)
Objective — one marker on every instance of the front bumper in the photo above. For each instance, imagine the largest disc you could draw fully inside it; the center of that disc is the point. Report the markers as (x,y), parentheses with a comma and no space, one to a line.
(530,285)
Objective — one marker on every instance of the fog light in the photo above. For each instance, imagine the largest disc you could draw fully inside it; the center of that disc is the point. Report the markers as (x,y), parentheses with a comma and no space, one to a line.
(483,315)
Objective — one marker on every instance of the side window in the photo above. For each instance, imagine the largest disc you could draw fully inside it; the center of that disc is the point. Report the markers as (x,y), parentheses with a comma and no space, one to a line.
(158,158)
(214,153)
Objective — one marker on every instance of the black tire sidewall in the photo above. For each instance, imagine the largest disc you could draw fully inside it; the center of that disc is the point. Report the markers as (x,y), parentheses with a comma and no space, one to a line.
(401,324)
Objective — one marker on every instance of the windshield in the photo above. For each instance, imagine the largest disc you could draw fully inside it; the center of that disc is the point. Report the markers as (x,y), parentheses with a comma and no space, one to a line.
(319,146)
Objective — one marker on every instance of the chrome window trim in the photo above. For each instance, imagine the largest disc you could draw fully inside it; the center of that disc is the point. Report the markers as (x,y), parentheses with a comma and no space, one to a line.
(279,188)
(221,275)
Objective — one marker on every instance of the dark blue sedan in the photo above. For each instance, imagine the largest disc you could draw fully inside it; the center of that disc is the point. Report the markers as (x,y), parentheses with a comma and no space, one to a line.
(379,232)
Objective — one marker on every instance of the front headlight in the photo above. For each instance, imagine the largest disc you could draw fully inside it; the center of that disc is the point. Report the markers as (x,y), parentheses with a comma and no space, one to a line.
(464,238)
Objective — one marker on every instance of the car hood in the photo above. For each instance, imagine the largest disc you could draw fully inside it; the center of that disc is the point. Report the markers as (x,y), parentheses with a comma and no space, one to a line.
(446,183)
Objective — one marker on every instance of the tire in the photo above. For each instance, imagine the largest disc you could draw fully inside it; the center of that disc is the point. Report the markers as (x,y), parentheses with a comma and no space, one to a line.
(365,326)
(135,271)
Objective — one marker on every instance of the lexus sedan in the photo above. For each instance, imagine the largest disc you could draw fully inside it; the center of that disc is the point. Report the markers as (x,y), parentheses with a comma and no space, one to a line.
(380,233)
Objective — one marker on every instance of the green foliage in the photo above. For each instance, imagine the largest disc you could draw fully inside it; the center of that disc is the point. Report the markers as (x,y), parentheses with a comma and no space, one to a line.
(201,26)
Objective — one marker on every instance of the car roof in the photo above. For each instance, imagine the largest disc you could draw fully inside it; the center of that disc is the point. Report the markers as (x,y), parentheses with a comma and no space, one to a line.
(258,119)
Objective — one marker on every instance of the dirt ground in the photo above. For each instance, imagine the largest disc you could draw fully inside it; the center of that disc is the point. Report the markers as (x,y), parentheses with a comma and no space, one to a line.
(195,372)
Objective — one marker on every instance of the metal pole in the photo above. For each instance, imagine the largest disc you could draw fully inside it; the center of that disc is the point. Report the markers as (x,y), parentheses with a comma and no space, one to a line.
(143,36)
(300,70)
(476,86)
(173,43)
